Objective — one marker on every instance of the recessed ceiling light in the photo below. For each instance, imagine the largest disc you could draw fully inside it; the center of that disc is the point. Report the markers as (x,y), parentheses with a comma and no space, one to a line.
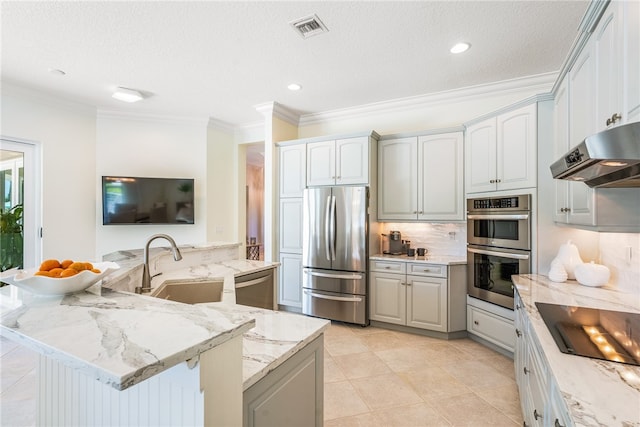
(460,47)
(56,72)
(127,95)
(294,86)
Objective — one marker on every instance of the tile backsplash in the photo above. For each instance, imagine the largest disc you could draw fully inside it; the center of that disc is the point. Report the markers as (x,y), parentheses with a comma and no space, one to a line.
(440,239)
(621,253)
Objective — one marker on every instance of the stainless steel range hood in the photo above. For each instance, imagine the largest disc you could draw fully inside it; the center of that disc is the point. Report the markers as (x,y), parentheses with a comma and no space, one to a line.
(609,159)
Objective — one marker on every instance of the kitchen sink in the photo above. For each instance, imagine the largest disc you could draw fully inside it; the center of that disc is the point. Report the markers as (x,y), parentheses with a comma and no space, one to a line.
(190,292)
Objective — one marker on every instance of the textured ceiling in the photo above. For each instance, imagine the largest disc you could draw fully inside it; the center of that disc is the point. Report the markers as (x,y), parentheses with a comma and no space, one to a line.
(220,59)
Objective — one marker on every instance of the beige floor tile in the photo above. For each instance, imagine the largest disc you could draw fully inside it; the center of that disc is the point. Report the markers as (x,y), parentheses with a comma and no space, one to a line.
(385,391)
(503,364)
(363,420)
(411,340)
(342,400)
(382,340)
(367,330)
(477,350)
(471,410)
(418,415)
(433,383)
(506,399)
(402,359)
(345,345)
(477,374)
(361,365)
(338,330)
(332,373)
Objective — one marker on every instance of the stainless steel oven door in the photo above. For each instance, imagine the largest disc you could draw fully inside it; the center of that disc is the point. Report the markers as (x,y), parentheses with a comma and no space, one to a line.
(511,230)
(489,272)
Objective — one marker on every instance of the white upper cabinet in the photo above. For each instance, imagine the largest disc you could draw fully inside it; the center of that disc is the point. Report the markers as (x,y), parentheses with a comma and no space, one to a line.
(421,178)
(398,179)
(501,151)
(338,162)
(293,161)
(631,55)
(608,72)
(441,177)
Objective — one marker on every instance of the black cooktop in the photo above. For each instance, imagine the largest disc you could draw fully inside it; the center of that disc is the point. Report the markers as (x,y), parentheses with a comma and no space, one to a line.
(591,332)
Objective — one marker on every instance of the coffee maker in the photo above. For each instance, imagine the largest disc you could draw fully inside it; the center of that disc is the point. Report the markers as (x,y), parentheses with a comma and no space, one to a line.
(392,243)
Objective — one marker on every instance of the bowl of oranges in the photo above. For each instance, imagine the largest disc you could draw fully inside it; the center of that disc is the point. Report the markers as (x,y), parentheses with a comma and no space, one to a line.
(55,277)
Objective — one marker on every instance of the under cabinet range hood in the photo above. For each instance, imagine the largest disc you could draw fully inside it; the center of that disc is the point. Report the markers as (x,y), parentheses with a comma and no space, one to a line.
(609,159)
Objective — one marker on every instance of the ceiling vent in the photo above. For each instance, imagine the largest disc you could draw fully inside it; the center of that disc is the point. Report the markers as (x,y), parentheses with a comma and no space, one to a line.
(308,26)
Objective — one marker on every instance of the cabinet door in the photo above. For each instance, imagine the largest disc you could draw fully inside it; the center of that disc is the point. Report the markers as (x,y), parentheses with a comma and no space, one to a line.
(398,179)
(293,162)
(561,146)
(388,297)
(291,225)
(581,204)
(290,284)
(440,181)
(495,329)
(581,97)
(631,81)
(608,73)
(321,163)
(352,161)
(516,148)
(427,303)
(480,157)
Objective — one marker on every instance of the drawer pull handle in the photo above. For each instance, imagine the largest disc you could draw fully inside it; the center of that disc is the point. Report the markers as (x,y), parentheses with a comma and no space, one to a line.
(526,371)
(556,423)
(388,268)
(518,333)
(426,270)
(536,415)
(475,322)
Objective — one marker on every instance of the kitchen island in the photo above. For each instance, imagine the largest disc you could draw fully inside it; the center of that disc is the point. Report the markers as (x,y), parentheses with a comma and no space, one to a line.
(114,357)
(569,389)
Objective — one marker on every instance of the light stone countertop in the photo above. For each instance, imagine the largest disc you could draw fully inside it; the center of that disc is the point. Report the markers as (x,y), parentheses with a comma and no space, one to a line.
(428,259)
(596,392)
(122,338)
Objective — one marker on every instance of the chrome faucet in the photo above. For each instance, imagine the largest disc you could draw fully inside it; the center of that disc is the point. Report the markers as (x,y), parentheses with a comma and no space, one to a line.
(146,275)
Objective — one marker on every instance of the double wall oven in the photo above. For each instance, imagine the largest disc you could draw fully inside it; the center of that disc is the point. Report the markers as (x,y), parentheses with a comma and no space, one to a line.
(498,246)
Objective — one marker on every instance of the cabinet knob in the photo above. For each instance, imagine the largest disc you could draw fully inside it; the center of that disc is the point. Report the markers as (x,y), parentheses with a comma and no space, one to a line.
(338,177)
(518,333)
(408,283)
(415,212)
(421,212)
(475,322)
(498,180)
(556,423)
(526,371)
(536,415)
(492,181)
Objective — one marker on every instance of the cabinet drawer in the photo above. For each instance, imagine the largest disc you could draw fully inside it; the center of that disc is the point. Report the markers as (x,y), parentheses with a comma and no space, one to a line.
(427,270)
(388,267)
(495,329)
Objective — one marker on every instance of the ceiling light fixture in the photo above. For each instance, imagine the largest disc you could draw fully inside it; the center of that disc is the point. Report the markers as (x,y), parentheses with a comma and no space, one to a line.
(127,95)
(460,47)
(294,87)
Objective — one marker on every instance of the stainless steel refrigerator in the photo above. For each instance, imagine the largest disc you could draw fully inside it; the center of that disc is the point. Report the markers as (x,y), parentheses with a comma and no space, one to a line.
(335,253)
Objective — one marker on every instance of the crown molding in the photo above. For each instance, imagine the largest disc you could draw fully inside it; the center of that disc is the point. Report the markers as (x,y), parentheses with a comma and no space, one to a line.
(539,83)
(221,125)
(250,132)
(273,109)
(152,118)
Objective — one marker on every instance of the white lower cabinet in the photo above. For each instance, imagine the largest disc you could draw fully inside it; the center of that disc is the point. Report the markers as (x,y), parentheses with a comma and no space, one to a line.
(541,402)
(418,295)
(290,284)
(491,323)
(290,395)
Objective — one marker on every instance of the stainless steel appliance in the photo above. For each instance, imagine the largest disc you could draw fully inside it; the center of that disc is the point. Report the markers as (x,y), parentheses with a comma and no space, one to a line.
(609,159)
(498,246)
(257,289)
(592,332)
(335,253)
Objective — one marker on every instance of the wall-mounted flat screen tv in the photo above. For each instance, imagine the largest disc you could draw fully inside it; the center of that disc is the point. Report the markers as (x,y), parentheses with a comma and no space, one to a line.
(136,200)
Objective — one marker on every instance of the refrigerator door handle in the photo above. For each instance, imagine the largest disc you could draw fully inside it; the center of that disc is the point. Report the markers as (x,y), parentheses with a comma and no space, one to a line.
(327,228)
(353,276)
(333,228)
(330,297)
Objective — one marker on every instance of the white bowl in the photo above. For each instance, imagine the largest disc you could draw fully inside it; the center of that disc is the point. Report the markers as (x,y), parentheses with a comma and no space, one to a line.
(42,285)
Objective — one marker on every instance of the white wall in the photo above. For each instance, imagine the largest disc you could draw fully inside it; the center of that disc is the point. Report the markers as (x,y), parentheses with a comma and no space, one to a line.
(129,145)
(222,191)
(67,134)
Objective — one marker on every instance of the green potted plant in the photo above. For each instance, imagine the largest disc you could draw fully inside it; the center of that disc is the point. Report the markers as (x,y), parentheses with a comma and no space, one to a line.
(11,238)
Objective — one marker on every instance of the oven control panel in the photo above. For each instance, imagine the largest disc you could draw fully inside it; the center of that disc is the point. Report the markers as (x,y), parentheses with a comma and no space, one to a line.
(521,203)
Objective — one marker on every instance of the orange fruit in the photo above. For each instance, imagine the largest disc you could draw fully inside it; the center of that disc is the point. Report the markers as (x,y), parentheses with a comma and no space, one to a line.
(42,273)
(95,270)
(78,266)
(55,272)
(49,264)
(88,266)
(66,263)
(68,272)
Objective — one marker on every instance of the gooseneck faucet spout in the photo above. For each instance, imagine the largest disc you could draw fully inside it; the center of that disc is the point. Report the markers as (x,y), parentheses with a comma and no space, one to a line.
(146,275)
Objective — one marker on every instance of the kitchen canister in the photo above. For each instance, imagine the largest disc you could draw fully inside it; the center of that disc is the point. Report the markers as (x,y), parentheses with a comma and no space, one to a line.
(569,256)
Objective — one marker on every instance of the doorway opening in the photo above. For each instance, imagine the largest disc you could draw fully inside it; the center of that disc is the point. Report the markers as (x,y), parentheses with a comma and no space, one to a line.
(255,201)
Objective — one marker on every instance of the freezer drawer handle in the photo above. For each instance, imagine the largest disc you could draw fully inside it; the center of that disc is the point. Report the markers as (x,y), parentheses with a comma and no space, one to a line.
(345,299)
(334,276)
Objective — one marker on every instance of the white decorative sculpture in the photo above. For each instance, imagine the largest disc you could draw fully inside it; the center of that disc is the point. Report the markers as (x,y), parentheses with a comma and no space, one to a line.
(569,256)
(591,274)
(557,273)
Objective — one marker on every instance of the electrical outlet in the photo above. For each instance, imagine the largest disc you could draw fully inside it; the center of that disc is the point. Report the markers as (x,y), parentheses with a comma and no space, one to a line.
(452,235)
(628,254)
